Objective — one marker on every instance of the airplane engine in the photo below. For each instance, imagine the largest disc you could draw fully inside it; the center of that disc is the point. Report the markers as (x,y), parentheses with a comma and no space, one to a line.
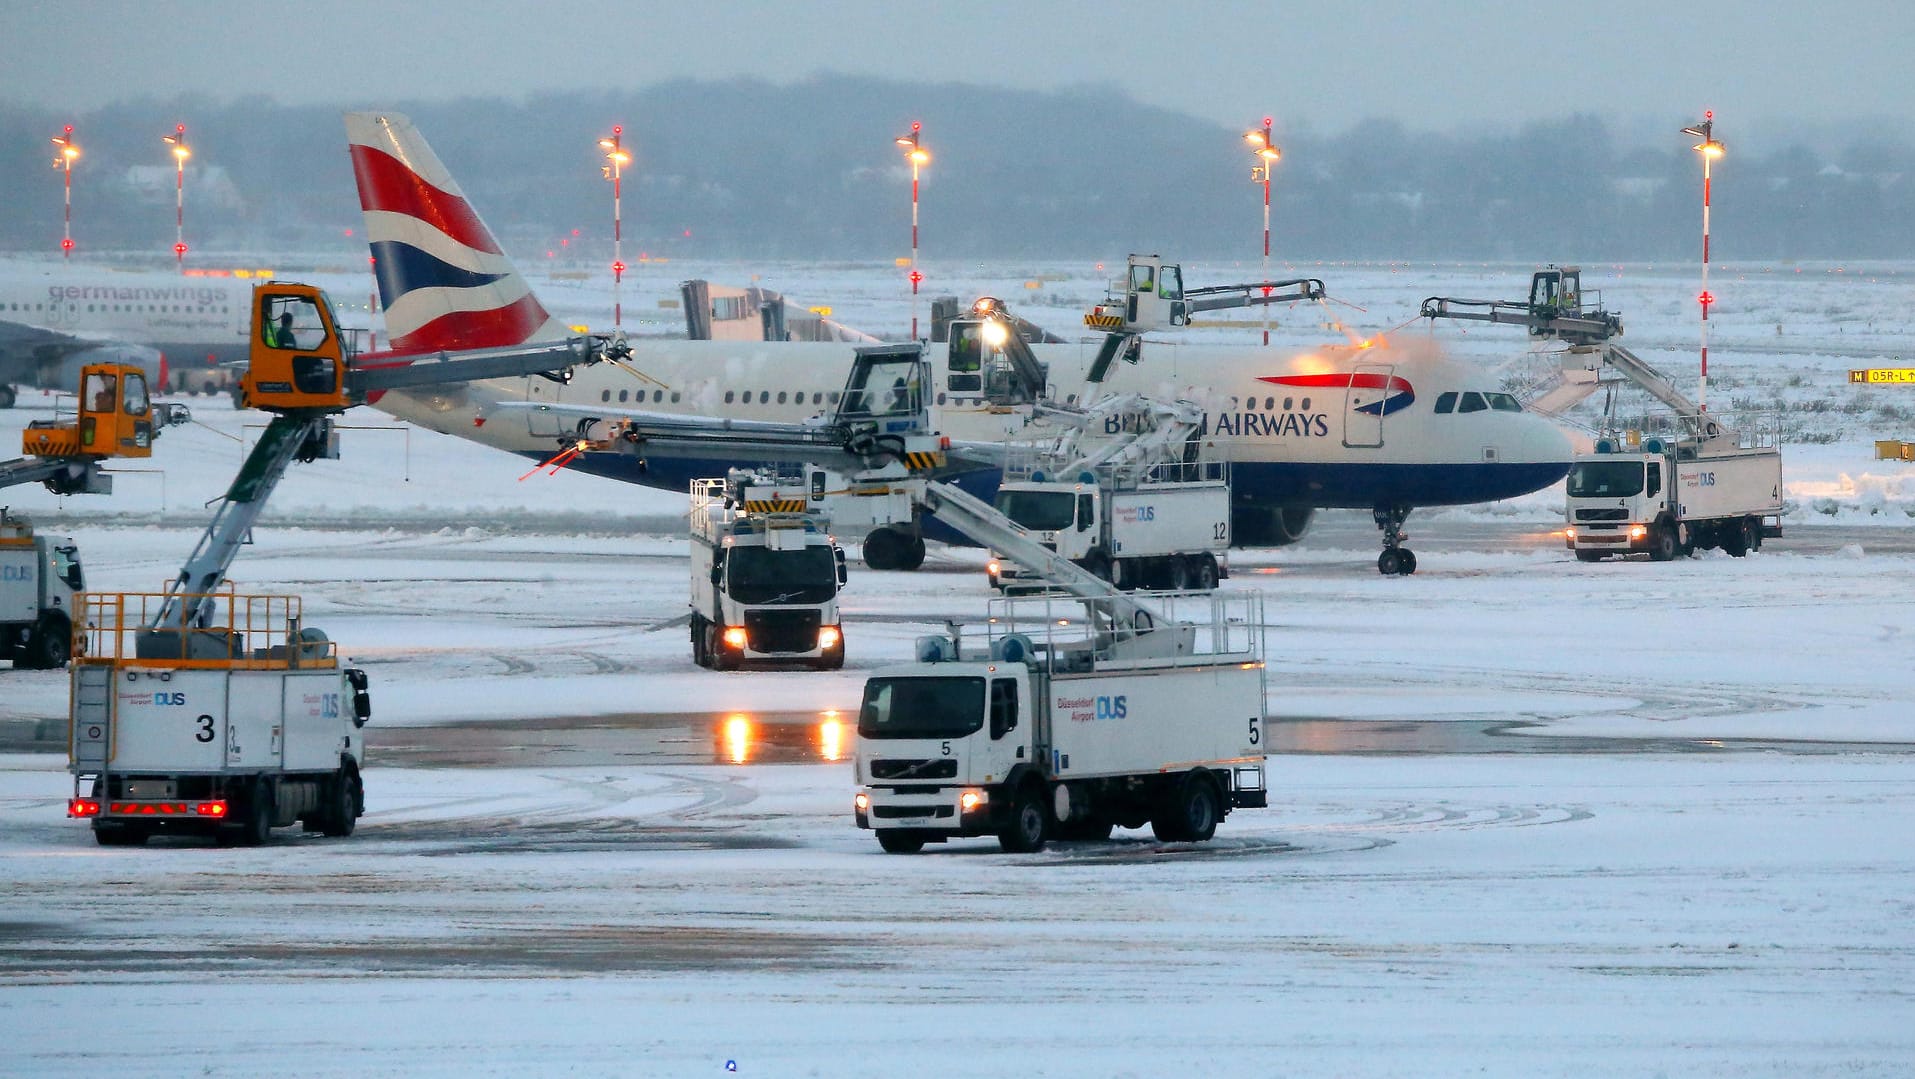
(1254,524)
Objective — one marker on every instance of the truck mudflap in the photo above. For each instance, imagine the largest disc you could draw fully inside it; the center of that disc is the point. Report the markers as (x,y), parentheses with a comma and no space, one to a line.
(1247,788)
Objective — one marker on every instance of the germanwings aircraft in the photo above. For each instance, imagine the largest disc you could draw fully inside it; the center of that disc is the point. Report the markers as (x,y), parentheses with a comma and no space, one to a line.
(1373,425)
(52,321)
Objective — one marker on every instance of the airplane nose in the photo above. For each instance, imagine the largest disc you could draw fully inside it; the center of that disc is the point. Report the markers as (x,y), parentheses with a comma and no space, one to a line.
(1545,443)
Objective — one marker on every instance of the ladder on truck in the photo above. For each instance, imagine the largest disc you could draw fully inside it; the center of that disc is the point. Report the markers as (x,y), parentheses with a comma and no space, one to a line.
(1558,309)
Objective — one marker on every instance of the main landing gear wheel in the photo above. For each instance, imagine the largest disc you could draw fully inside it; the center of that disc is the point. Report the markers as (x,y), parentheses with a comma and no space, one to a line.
(1396,558)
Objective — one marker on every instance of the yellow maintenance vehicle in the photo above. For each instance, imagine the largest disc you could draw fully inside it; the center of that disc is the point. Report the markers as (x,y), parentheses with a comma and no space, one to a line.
(113,418)
(203,710)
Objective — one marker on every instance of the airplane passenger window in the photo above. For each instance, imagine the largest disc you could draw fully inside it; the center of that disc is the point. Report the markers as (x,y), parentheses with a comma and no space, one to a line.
(674,397)
(1503,402)
(764,397)
(1286,404)
(1446,402)
(605,395)
(657,396)
(1270,402)
(1306,404)
(781,397)
(834,397)
(1250,404)
(728,396)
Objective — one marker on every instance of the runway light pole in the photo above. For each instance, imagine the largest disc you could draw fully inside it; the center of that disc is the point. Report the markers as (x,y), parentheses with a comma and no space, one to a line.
(1267,155)
(615,153)
(177,140)
(917,155)
(1710,149)
(63,159)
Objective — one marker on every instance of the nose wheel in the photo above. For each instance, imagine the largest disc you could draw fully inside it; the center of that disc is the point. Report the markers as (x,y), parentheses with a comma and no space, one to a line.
(1396,559)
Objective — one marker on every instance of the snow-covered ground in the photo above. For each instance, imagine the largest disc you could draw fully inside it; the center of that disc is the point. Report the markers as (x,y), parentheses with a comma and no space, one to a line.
(1531,817)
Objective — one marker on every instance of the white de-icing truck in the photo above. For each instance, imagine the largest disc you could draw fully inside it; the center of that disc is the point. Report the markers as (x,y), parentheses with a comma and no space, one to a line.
(40,588)
(1669,497)
(1073,723)
(1166,528)
(765,574)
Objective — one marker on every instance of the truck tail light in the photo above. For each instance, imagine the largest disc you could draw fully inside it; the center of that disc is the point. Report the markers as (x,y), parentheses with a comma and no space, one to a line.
(211,809)
(734,637)
(82,807)
(829,637)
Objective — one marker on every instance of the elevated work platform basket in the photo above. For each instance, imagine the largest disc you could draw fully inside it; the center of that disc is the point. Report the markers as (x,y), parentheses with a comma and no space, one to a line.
(245,632)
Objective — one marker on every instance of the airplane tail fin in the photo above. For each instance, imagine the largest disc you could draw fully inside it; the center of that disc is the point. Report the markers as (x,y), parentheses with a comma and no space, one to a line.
(443,280)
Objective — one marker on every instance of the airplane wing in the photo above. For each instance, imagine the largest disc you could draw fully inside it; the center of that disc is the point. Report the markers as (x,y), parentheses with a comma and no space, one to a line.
(671,434)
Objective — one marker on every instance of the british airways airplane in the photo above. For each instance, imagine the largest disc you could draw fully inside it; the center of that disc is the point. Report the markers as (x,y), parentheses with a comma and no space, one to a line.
(1372,425)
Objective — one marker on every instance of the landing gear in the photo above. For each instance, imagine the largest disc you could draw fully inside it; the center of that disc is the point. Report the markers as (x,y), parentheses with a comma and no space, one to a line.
(1396,558)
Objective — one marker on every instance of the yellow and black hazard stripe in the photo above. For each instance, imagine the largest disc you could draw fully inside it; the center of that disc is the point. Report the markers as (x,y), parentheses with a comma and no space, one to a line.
(921,462)
(774,505)
(1103,322)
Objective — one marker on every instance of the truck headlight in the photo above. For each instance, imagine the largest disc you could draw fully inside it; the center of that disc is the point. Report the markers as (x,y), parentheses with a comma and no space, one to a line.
(1569,534)
(735,637)
(1637,532)
(862,802)
(970,800)
(829,637)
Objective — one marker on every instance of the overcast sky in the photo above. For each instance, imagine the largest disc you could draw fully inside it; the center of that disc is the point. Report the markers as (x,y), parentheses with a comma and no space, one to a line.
(1761,64)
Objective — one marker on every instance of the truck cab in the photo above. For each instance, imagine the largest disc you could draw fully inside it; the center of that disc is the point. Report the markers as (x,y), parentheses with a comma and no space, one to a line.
(765,576)
(1149,297)
(41,585)
(114,417)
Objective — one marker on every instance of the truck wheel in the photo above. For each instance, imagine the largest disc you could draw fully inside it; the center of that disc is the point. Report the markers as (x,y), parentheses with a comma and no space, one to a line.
(1739,539)
(342,805)
(1189,814)
(52,640)
(899,842)
(1662,543)
(1097,564)
(1206,573)
(700,654)
(913,554)
(258,822)
(1179,573)
(1024,832)
(1123,574)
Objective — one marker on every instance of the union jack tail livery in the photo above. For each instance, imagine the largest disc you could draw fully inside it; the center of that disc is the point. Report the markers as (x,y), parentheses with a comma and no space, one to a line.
(443,279)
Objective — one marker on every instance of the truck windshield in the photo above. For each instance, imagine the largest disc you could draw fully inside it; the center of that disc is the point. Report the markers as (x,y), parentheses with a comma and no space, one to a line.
(1039,511)
(1605,479)
(921,707)
(762,575)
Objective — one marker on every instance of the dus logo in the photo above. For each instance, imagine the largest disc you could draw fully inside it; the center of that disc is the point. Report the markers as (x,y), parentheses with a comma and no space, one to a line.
(172,699)
(1112,707)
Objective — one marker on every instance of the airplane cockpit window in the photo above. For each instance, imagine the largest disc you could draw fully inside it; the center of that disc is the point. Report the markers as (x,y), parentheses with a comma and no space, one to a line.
(1504,402)
(1472,402)
(136,399)
(1446,402)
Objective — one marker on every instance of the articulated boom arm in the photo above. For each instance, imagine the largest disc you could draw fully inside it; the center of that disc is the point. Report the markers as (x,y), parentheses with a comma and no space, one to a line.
(1252,294)
(979,521)
(1576,327)
(1172,425)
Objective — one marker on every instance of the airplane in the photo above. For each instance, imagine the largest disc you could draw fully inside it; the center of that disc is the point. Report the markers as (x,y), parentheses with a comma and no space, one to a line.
(54,321)
(1380,425)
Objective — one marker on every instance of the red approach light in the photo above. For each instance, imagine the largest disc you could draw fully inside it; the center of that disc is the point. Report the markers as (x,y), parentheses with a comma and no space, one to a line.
(915,127)
(179,248)
(69,129)
(618,267)
(66,244)
(618,129)
(1705,299)
(575,232)
(916,277)
(348,232)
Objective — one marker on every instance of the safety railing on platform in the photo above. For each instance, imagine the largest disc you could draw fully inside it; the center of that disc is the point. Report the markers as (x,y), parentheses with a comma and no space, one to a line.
(246,631)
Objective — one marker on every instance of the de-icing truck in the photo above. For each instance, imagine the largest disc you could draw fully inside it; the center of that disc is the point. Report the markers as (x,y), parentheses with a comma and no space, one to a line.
(1071,724)
(765,575)
(1673,496)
